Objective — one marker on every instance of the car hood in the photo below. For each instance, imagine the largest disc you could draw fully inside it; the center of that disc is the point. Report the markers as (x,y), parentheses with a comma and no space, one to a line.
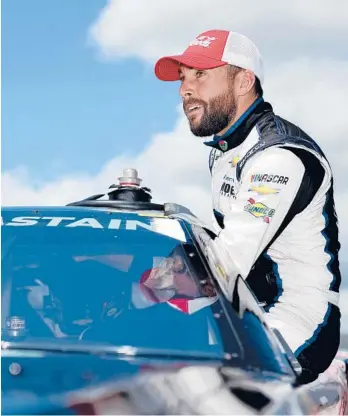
(41,382)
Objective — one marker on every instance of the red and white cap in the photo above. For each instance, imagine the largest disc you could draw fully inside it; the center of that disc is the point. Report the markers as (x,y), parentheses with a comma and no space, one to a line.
(212,49)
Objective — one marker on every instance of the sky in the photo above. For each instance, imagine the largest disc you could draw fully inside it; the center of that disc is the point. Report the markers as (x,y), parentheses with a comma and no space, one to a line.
(80,101)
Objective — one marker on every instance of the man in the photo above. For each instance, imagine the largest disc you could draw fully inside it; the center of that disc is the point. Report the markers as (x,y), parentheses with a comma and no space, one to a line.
(272,193)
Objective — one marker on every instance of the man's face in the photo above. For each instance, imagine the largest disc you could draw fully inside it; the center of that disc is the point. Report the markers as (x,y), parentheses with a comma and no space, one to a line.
(209,99)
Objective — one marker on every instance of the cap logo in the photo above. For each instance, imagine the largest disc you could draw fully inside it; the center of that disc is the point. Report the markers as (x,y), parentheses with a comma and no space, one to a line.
(204,41)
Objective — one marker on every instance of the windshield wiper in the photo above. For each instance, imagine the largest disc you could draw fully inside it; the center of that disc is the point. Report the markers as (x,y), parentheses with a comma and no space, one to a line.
(103,348)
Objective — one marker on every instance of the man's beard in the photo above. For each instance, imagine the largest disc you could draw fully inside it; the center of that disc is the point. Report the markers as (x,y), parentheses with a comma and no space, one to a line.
(217,114)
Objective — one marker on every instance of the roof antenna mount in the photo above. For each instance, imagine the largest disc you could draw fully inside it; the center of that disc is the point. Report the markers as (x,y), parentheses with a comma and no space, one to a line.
(129,189)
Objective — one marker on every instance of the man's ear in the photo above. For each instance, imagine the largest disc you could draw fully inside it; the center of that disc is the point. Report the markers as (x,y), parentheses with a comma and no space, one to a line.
(247,82)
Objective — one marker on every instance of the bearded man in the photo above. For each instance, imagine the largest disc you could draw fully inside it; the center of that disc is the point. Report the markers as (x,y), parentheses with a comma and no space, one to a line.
(273,196)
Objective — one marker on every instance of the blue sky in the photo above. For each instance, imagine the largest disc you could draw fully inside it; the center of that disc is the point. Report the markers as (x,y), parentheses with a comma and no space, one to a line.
(63,108)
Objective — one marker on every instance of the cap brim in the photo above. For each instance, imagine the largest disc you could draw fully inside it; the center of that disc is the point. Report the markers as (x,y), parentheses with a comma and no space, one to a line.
(167,68)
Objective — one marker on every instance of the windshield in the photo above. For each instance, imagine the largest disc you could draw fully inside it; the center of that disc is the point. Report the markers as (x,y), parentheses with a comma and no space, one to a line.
(127,284)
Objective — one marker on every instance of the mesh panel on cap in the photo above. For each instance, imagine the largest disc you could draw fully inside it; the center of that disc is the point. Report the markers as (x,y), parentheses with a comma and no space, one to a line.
(240,44)
(241,51)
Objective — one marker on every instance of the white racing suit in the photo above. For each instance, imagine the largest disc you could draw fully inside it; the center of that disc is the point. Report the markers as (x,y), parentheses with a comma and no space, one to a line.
(275,215)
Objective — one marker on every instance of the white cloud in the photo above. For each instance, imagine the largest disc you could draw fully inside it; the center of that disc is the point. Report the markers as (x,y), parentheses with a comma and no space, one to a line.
(150,28)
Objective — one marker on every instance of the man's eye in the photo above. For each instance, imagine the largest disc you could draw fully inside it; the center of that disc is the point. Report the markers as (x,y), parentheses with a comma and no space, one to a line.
(199,73)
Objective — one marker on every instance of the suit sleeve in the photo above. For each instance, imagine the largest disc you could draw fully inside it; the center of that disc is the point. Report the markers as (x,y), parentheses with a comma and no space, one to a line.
(269,185)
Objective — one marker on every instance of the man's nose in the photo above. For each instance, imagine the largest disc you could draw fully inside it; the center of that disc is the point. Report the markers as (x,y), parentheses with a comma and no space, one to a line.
(186,90)
(185,93)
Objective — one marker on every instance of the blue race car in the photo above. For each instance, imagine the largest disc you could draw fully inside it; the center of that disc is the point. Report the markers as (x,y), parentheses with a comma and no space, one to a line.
(118,306)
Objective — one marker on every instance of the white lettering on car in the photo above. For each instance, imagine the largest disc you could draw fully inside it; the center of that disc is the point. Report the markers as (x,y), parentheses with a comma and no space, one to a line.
(113,224)
(165,226)
(55,221)
(23,221)
(86,222)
